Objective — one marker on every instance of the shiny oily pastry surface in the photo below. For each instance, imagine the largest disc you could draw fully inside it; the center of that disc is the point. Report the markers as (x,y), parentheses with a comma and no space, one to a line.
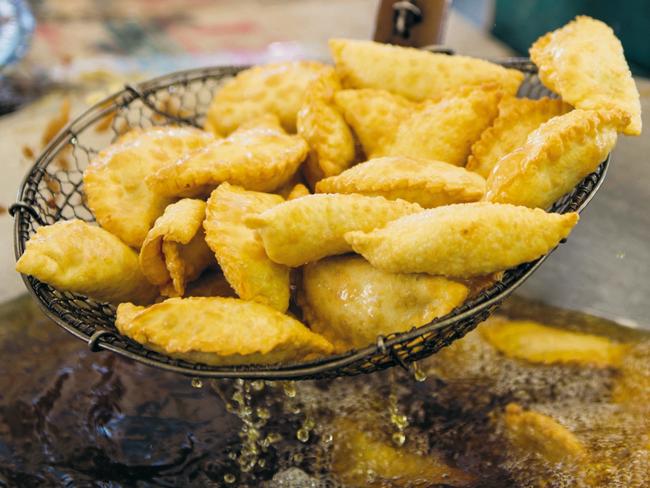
(114,181)
(375,116)
(239,249)
(541,436)
(426,182)
(463,240)
(321,124)
(75,256)
(259,156)
(584,63)
(350,302)
(356,452)
(537,343)
(174,251)
(220,331)
(555,158)
(445,130)
(517,118)
(312,227)
(414,73)
(276,88)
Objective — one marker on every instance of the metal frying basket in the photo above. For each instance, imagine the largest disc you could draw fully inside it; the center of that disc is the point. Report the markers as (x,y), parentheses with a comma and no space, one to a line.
(53,190)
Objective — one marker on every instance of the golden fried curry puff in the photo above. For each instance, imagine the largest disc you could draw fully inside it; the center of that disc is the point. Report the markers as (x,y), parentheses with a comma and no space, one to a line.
(276,88)
(312,227)
(174,251)
(350,302)
(220,331)
(463,240)
(114,181)
(414,73)
(517,118)
(538,343)
(239,250)
(321,124)
(426,182)
(445,130)
(584,63)
(259,156)
(75,256)
(555,158)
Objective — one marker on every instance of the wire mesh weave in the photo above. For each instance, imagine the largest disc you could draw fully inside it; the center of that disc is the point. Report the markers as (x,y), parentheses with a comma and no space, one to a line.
(53,190)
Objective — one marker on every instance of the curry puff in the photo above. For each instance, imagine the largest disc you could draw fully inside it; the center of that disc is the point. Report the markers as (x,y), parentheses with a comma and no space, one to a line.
(75,256)
(445,130)
(350,302)
(359,458)
(517,118)
(259,156)
(311,227)
(375,116)
(541,437)
(584,63)
(555,158)
(463,240)
(321,124)
(220,331)
(114,181)
(538,343)
(239,250)
(413,73)
(174,252)
(276,88)
(426,182)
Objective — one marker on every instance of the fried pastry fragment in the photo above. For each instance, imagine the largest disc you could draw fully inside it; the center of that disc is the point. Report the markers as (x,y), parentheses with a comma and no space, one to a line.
(517,118)
(75,256)
(426,182)
(258,156)
(350,302)
(276,88)
(584,63)
(375,116)
(463,240)
(220,331)
(541,436)
(446,130)
(555,158)
(114,181)
(357,453)
(298,191)
(413,73)
(312,227)
(321,124)
(540,344)
(174,251)
(239,250)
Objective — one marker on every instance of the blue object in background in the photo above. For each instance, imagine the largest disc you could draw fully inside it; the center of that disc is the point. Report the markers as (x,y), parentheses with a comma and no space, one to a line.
(16,27)
(518,23)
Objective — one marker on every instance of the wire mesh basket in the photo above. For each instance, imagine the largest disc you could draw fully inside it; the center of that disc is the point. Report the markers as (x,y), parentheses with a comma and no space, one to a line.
(53,190)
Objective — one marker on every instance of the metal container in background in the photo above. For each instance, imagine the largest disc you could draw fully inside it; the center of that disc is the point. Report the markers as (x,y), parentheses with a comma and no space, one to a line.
(414,23)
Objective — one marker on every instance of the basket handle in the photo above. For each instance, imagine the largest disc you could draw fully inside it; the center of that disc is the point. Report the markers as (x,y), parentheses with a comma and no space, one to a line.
(25,207)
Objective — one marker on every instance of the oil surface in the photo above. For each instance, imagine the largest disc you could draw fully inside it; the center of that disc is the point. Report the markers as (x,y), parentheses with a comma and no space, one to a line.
(69,417)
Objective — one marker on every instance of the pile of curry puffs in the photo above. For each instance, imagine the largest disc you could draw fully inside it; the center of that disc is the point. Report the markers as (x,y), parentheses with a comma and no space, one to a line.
(364,198)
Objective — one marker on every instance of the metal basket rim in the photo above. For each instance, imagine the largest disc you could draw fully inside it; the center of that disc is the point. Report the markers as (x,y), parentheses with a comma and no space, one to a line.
(484,300)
